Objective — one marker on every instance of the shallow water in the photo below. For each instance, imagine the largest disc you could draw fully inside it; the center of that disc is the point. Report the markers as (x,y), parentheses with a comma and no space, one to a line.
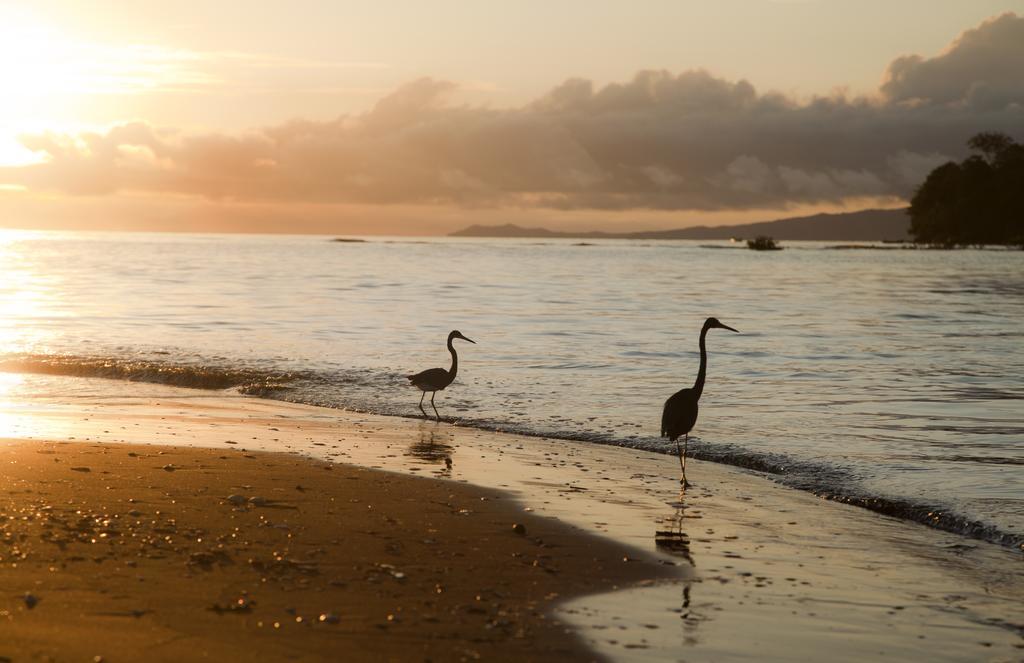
(888,378)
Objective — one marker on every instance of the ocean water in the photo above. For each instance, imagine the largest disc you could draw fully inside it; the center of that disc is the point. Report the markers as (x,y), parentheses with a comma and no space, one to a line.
(891,379)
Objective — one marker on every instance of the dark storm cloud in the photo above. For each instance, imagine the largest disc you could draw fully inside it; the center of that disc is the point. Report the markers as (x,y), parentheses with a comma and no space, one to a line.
(660,141)
(983,69)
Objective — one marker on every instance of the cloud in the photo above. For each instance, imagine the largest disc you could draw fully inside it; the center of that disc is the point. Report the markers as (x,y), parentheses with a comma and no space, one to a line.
(981,69)
(661,141)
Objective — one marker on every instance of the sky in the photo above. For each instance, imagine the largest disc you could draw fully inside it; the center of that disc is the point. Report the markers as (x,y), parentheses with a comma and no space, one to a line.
(420,118)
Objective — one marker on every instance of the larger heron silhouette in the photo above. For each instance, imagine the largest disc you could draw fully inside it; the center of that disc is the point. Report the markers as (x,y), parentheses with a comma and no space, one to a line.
(680,413)
(436,379)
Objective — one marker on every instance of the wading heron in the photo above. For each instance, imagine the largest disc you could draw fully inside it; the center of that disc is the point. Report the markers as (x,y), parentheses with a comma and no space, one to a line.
(436,379)
(680,413)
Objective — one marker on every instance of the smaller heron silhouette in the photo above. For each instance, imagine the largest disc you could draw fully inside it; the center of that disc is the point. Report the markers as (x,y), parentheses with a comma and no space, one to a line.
(680,413)
(436,379)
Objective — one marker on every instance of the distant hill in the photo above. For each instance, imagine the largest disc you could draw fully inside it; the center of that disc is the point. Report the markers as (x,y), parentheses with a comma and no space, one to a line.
(870,225)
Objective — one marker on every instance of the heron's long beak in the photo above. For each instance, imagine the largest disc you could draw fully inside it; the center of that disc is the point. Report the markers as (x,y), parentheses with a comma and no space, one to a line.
(469,339)
(729,328)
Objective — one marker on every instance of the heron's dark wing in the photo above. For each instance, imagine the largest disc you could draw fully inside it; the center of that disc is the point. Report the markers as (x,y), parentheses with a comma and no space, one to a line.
(679,415)
(432,379)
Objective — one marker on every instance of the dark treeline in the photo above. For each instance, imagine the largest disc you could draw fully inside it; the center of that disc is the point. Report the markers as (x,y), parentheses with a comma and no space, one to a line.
(977,201)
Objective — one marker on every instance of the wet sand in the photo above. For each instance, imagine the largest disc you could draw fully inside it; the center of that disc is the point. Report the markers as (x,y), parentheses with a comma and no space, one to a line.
(129,552)
(766,572)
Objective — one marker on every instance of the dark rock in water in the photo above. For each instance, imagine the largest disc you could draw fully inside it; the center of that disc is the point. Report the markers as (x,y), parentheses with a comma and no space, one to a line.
(763,243)
(30,600)
(900,246)
(348,240)
(519,528)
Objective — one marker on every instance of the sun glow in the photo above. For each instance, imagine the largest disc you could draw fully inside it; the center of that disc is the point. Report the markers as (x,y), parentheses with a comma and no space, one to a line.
(33,55)
(25,293)
(8,383)
(10,422)
(21,418)
(46,74)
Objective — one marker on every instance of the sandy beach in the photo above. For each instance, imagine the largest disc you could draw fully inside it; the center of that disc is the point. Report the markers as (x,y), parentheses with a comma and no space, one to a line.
(333,521)
(166,553)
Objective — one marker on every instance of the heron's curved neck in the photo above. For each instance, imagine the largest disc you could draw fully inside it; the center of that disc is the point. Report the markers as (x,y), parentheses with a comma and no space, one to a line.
(698,385)
(455,360)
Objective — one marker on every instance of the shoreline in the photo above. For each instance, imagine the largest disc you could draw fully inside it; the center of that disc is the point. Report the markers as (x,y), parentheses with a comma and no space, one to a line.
(787,471)
(791,571)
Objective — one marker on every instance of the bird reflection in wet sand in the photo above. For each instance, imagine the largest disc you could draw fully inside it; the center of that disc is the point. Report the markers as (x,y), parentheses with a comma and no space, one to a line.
(437,379)
(434,446)
(680,413)
(676,542)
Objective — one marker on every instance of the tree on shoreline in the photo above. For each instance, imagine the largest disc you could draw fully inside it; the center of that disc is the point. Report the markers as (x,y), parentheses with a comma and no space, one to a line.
(977,201)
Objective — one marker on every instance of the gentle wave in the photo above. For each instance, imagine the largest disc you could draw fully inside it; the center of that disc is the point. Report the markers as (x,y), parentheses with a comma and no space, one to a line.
(175,375)
(325,390)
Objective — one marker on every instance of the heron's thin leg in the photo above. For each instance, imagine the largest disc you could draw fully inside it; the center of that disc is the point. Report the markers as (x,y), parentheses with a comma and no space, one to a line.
(686,444)
(679,452)
(432,394)
(422,396)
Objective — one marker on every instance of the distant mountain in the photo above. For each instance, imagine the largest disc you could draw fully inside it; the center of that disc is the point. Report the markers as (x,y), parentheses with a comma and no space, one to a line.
(512,230)
(870,225)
